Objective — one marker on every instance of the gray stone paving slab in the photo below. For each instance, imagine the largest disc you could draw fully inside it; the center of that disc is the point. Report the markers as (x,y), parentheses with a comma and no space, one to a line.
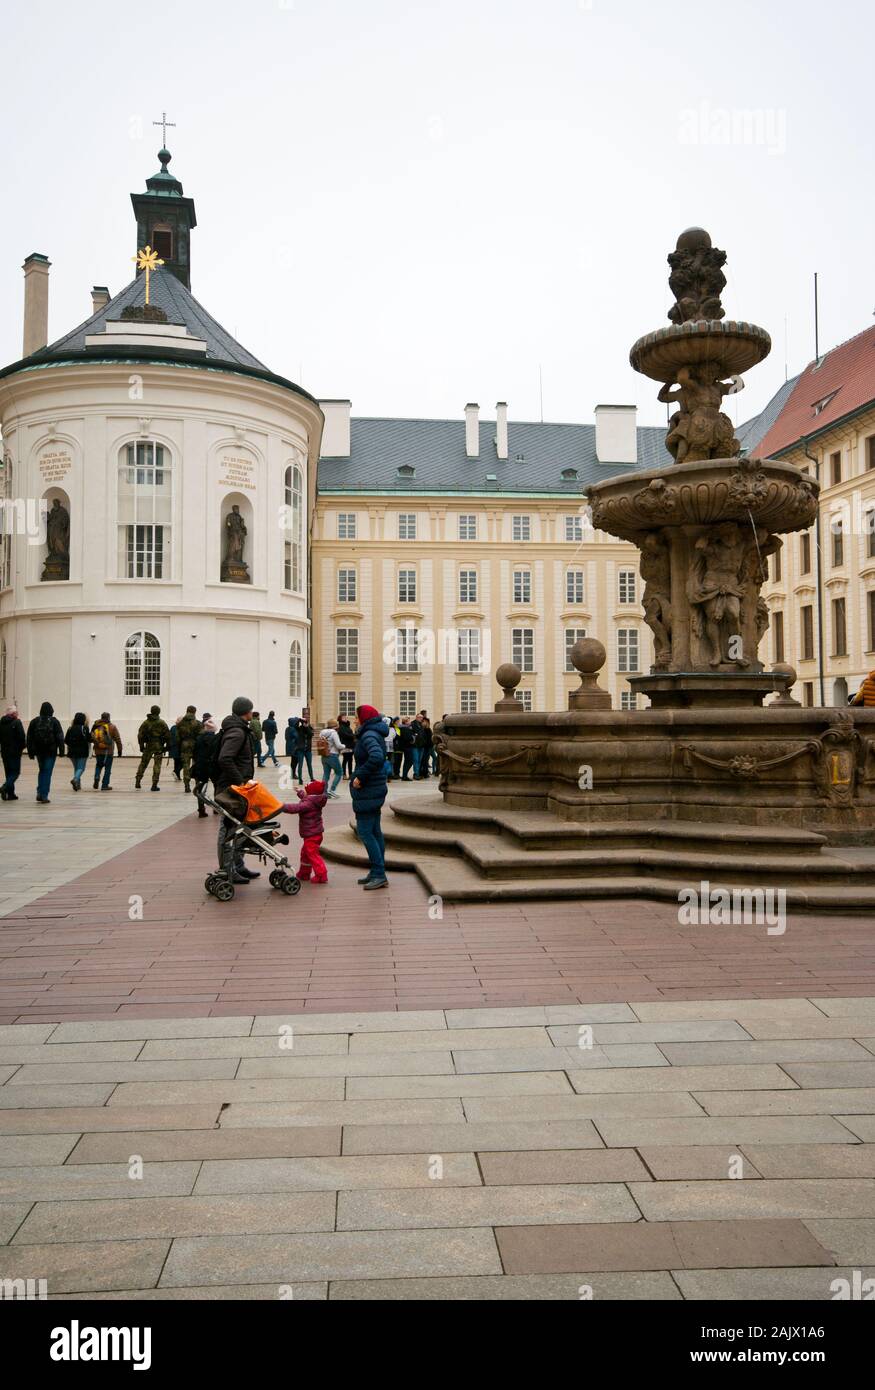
(49,1097)
(164,1146)
(108,1030)
(737,1010)
(737,1200)
(846,1008)
(863,1126)
(628,1132)
(11,1216)
(89,1266)
(580,1107)
(235,1293)
(485,1206)
(760,1076)
(81,1182)
(708,1030)
(145,1093)
(425,1019)
(762,1285)
(346,1112)
(45,1054)
(849,1241)
(99,1119)
(303,1045)
(169,1217)
(463,1138)
(801,1102)
(530,1016)
(813,1160)
(450,1039)
(365,1064)
(338,1174)
(822,1075)
(772,1050)
(693,1162)
(35,1150)
(61,1073)
(648,1287)
(519,1085)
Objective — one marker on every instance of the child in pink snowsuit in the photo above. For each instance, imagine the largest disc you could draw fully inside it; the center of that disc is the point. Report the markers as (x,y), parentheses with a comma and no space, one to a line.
(311,799)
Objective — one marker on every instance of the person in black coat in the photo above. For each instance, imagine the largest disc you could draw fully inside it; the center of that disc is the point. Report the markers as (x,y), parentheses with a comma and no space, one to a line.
(13,741)
(78,741)
(270,730)
(45,743)
(405,742)
(202,760)
(234,766)
(347,738)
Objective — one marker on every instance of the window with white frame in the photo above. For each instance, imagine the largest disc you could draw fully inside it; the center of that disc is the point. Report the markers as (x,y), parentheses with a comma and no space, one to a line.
(522,586)
(407,586)
(525,699)
(346,702)
(574,528)
(407,703)
(574,587)
(346,586)
(143,664)
(523,648)
(145,503)
(522,528)
(295,670)
(467,701)
(407,526)
(468,527)
(627,649)
(628,700)
(347,526)
(346,650)
(294,538)
(467,586)
(469,650)
(407,649)
(627,585)
(572,635)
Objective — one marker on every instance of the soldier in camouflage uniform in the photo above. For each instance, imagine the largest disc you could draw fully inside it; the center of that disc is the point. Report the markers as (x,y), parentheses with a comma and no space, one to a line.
(153,737)
(188,729)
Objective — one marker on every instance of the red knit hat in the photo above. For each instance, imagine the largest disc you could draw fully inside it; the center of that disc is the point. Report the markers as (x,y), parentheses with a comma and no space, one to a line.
(366,712)
(314,788)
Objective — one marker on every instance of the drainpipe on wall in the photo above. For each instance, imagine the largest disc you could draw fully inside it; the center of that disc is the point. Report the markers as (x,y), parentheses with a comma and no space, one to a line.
(817,539)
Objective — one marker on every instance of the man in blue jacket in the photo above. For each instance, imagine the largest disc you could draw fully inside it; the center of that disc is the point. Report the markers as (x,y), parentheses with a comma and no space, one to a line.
(368,790)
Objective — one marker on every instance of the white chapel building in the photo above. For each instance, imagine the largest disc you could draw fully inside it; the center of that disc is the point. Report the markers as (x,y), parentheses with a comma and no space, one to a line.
(187,472)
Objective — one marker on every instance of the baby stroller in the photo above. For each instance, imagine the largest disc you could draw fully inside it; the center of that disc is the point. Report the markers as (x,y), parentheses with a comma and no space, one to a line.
(258,837)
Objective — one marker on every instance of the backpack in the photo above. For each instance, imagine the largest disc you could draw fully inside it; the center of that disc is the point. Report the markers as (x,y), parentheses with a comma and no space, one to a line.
(214,757)
(102,738)
(44,739)
(323,747)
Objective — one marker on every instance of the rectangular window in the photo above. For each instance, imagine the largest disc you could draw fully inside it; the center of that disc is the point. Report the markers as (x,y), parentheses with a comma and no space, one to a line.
(807,616)
(627,585)
(835,469)
(522,586)
(628,700)
(467,586)
(468,528)
(523,648)
(777,567)
(778,635)
(808,689)
(838,544)
(627,649)
(572,635)
(407,586)
(869,529)
(469,651)
(407,703)
(347,649)
(805,552)
(346,702)
(467,701)
(346,526)
(407,526)
(870,604)
(145,552)
(870,453)
(525,699)
(522,528)
(574,586)
(346,586)
(839,627)
(407,649)
(574,528)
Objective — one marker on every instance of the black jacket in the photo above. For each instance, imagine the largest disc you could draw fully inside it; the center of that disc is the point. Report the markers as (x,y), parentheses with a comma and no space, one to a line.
(13,739)
(346,734)
(405,738)
(236,755)
(78,741)
(269,728)
(203,755)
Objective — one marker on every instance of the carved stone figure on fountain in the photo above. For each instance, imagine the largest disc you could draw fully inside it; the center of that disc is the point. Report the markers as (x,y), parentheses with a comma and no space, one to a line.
(234,568)
(57,565)
(656,573)
(715,592)
(697,280)
(699,430)
(755,616)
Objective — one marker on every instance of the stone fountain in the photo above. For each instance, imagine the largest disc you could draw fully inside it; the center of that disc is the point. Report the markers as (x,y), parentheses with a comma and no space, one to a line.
(708,783)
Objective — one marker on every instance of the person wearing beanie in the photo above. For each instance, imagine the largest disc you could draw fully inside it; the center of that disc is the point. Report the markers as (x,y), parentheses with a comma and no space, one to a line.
(369,786)
(311,800)
(235,766)
(13,741)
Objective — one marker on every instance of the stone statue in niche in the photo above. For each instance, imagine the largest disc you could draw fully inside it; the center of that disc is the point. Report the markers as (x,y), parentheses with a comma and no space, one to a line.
(57,565)
(699,430)
(715,591)
(234,567)
(656,573)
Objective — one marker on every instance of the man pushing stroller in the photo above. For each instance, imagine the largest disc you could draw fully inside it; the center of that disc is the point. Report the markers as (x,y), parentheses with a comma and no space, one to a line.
(234,766)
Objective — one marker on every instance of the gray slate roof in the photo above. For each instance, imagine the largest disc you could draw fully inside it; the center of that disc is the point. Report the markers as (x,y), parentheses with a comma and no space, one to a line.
(751,434)
(180,306)
(436,450)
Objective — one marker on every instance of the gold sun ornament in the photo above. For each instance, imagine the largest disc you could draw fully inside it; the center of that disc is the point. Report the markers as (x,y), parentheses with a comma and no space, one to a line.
(147,260)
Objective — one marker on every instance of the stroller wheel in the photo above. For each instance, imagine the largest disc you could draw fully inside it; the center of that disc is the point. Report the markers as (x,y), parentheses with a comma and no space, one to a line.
(210,883)
(224,891)
(291,886)
(276,879)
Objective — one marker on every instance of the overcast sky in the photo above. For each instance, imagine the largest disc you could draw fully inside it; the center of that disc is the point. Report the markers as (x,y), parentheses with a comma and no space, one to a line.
(420,204)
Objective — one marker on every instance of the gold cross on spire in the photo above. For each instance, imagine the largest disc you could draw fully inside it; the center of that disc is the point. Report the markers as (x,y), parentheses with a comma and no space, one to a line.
(147,260)
(164,123)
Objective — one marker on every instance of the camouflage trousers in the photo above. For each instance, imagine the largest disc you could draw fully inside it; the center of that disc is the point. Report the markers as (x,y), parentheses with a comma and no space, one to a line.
(187,755)
(154,756)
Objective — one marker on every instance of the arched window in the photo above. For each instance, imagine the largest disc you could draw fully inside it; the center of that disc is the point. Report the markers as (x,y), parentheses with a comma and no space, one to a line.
(143,664)
(2,668)
(294,541)
(145,508)
(295,670)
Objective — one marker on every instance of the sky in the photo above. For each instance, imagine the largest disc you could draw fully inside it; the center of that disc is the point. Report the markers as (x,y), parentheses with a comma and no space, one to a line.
(415,205)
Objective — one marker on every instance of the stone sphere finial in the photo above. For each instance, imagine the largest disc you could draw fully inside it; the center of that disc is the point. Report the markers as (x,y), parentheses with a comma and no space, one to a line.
(588,656)
(694,239)
(508,677)
(786,678)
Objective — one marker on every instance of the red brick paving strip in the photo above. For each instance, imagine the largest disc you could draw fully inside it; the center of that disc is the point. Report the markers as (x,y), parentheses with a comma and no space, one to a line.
(74,954)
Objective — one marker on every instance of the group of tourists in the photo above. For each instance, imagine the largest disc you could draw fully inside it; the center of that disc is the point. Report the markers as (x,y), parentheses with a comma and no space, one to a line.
(44,741)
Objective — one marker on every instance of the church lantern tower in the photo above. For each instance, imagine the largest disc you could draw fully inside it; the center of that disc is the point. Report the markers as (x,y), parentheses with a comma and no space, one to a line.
(165,218)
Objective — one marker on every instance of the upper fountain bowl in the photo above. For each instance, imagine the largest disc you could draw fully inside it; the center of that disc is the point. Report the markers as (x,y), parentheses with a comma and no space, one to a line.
(734,347)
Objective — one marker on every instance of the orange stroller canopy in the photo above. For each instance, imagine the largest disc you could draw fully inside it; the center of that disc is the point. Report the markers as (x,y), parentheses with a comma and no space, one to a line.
(261,803)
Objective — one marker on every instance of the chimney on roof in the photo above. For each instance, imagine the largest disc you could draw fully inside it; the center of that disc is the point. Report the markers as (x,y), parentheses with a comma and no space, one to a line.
(501,429)
(616,433)
(36,302)
(472,431)
(336,436)
(100,297)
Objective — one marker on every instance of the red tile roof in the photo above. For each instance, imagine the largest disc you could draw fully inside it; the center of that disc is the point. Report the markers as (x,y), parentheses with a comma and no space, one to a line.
(844,381)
